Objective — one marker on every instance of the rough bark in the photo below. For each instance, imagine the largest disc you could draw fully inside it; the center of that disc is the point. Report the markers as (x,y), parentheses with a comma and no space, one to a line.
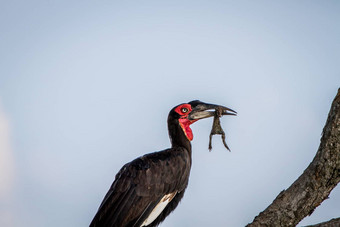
(314,185)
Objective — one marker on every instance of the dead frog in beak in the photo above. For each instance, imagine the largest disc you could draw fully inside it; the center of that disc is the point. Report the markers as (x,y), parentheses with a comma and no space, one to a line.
(216,127)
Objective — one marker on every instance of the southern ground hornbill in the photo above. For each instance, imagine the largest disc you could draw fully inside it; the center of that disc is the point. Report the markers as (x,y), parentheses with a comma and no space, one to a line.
(150,187)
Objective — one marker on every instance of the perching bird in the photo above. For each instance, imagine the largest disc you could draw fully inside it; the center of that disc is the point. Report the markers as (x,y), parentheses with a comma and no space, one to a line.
(150,187)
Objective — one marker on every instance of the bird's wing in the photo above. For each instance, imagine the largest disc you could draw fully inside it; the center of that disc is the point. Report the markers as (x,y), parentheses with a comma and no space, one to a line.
(140,185)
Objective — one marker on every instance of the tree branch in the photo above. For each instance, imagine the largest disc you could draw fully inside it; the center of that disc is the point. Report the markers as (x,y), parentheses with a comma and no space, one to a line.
(314,185)
(331,223)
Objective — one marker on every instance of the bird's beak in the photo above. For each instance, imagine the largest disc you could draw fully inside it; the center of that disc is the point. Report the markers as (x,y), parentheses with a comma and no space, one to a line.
(204,110)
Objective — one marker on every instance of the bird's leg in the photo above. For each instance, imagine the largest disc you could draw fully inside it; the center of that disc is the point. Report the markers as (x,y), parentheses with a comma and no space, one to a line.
(217,129)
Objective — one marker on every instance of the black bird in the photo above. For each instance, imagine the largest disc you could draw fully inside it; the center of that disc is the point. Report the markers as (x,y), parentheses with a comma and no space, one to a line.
(150,187)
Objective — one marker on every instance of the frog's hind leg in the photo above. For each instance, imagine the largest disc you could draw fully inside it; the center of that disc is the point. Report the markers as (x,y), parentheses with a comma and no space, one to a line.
(223,140)
(210,138)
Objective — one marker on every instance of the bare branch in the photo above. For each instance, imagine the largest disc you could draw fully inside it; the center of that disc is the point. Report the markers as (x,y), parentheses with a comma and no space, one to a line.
(331,223)
(314,185)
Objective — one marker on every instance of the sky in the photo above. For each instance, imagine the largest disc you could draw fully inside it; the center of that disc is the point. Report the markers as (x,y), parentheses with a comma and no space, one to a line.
(86,86)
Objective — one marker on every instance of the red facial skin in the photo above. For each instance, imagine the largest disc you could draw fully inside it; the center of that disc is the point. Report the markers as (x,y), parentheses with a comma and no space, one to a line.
(184,122)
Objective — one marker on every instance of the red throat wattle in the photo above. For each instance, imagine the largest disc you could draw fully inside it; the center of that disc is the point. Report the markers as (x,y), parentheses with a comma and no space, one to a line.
(185,125)
(184,122)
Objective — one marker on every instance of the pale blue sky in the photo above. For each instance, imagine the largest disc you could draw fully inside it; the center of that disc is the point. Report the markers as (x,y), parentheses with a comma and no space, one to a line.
(86,86)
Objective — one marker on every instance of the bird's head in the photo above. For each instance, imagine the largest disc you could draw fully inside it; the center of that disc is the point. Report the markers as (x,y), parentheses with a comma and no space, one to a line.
(187,113)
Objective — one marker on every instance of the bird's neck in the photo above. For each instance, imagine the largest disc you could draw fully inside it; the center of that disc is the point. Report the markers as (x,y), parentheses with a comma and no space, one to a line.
(177,136)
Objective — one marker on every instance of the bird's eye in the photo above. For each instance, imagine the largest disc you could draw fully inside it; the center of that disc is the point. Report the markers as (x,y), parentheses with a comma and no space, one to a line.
(184,110)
